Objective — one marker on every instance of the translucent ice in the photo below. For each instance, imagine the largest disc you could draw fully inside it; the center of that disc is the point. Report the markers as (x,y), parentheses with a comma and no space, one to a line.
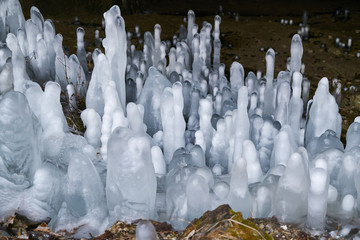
(131,181)
(145,230)
(239,195)
(291,199)
(269,90)
(6,78)
(20,138)
(150,98)
(352,134)
(197,194)
(115,49)
(317,198)
(92,121)
(323,113)
(296,54)
(85,208)
(236,78)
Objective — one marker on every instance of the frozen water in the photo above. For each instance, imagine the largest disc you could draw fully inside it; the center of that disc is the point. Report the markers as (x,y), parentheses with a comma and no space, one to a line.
(6,78)
(197,194)
(317,198)
(291,198)
(92,121)
(150,98)
(115,49)
(187,141)
(20,138)
(145,230)
(323,113)
(296,54)
(240,199)
(129,168)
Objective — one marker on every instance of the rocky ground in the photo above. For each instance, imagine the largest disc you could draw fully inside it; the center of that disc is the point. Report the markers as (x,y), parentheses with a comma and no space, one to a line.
(221,223)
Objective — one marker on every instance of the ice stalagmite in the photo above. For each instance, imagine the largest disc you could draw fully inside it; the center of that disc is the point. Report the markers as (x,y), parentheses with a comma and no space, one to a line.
(240,199)
(242,125)
(112,106)
(253,166)
(49,37)
(20,155)
(197,194)
(115,49)
(20,131)
(269,89)
(100,77)
(150,98)
(92,121)
(296,54)
(6,78)
(71,97)
(219,147)
(81,53)
(284,147)
(236,79)
(84,208)
(131,180)
(156,54)
(18,63)
(317,198)
(205,113)
(352,134)
(191,21)
(296,105)
(76,75)
(11,18)
(282,102)
(292,192)
(323,113)
(61,63)
(172,120)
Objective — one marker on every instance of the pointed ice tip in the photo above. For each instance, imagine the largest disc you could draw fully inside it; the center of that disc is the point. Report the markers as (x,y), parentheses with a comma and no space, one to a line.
(217,19)
(240,164)
(80,30)
(52,88)
(357,119)
(191,13)
(296,38)
(153,70)
(271,52)
(324,82)
(294,161)
(157,27)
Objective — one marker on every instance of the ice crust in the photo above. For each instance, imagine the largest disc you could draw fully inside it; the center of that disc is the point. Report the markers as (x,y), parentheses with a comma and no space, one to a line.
(164,141)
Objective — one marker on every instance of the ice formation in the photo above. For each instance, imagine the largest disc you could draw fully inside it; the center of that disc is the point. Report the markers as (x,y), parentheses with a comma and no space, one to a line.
(168,136)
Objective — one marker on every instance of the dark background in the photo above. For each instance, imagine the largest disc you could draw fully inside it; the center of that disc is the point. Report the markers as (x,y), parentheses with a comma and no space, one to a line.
(180,7)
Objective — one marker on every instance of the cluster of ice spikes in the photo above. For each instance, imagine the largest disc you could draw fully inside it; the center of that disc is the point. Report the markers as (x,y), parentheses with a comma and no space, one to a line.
(168,135)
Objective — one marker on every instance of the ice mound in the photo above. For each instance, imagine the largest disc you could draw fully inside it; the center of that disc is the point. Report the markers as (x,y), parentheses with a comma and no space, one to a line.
(168,134)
